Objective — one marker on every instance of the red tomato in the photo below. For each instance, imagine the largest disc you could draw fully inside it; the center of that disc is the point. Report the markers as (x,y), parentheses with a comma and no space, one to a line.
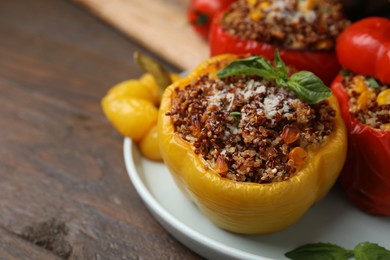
(201,12)
(364,48)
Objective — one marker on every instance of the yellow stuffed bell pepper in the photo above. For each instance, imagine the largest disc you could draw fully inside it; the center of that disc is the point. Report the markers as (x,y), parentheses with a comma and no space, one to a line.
(247,207)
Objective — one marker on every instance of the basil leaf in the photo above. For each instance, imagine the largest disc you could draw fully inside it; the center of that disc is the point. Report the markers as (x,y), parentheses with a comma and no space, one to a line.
(319,251)
(249,66)
(372,83)
(281,82)
(280,64)
(308,87)
(368,251)
(263,63)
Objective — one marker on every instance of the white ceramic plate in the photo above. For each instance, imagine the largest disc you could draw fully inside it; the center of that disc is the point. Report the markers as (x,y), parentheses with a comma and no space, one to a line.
(333,220)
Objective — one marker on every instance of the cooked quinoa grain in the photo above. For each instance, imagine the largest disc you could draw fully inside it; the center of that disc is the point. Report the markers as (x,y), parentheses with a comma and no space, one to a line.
(295,24)
(247,128)
(369,100)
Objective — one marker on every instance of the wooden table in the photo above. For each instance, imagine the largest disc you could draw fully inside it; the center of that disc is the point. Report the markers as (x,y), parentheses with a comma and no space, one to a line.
(64,190)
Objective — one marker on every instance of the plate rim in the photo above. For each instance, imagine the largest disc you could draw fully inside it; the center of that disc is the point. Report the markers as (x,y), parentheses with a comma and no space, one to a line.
(175,227)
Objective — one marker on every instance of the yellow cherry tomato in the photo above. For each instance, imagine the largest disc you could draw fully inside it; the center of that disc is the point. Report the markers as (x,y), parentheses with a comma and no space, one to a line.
(132,117)
(148,80)
(132,89)
(149,145)
(132,105)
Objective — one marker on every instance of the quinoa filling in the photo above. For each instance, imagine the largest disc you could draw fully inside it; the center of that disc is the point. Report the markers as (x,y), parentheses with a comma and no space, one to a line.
(369,100)
(247,128)
(294,24)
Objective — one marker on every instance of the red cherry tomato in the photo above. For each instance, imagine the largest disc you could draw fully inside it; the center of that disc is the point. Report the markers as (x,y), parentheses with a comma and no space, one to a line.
(201,12)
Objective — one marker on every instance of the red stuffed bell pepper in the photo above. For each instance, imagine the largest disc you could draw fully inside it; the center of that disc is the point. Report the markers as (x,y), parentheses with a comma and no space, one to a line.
(303,31)
(364,96)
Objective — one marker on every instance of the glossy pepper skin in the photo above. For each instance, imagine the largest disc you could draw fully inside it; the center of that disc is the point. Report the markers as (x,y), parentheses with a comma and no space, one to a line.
(241,207)
(366,174)
(201,12)
(364,48)
(322,63)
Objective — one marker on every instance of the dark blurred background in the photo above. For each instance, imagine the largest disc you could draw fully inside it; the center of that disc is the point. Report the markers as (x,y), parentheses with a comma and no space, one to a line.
(358,9)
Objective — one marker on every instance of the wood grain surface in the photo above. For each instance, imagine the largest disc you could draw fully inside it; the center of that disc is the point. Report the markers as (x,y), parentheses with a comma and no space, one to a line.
(64,190)
(159,25)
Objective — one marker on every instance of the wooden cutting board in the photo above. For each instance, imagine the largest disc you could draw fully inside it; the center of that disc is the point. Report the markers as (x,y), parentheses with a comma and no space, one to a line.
(159,25)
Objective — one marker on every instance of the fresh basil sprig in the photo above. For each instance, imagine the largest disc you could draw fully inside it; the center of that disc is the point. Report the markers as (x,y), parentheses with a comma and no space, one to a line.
(327,251)
(307,86)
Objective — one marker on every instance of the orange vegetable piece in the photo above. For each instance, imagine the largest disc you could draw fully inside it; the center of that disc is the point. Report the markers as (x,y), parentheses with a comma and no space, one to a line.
(290,134)
(359,85)
(364,98)
(298,155)
(221,165)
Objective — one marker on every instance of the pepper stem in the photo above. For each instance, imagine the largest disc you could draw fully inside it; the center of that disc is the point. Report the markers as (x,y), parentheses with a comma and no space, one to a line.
(152,66)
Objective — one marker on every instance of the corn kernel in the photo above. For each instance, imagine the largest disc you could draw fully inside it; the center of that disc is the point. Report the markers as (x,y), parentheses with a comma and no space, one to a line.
(264,5)
(310,4)
(385,127)
(359,85)
(305,6)
(383,98)
(255,15)
(252,2)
